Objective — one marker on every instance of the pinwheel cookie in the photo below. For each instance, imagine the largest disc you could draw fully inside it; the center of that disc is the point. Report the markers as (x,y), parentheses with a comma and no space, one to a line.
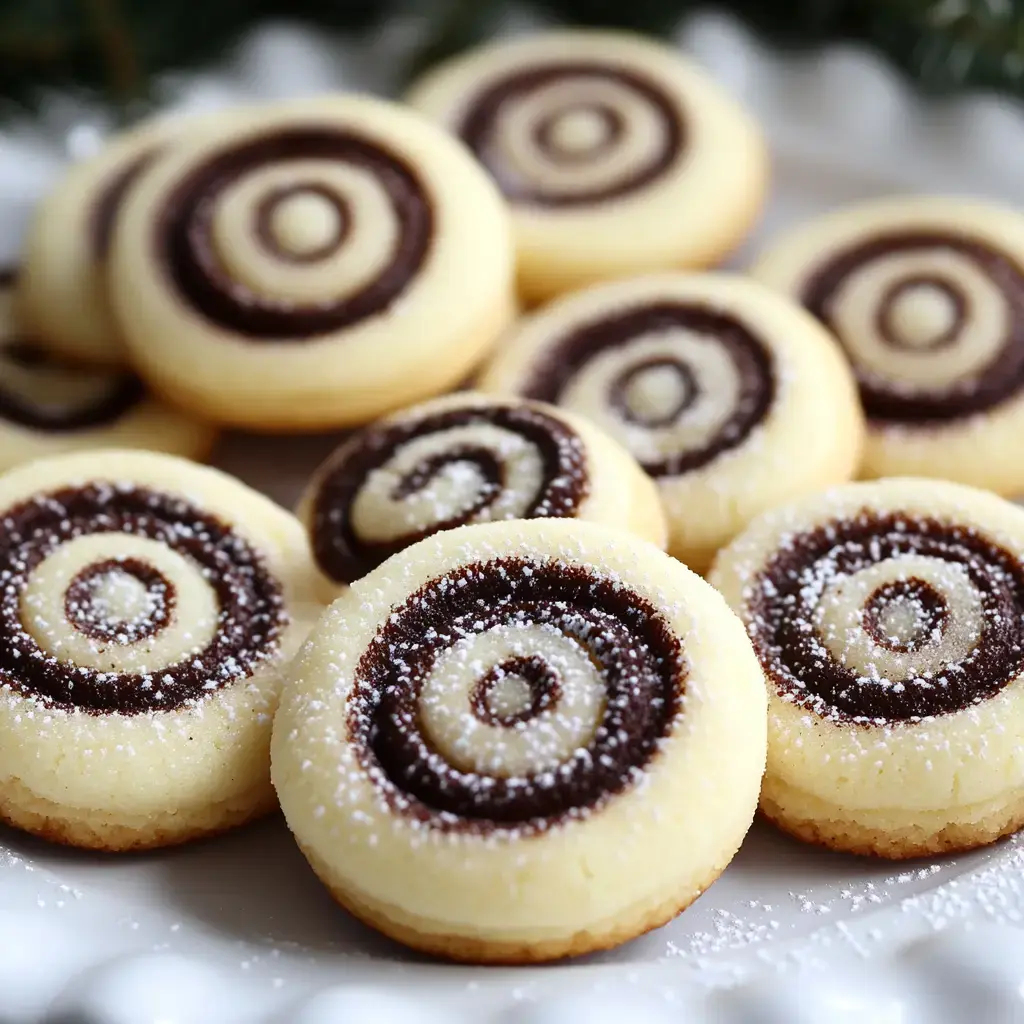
(926,296)
(64,297)
(148,607)
(48,406)
(617,154)
(519,741)
(733,398)
(889,621)
(468,459)
(313,266)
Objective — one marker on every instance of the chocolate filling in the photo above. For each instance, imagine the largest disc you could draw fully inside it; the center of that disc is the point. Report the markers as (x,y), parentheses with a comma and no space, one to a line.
(688,391)
(251,616)
(108,202)
(125,392)
(753,364)
(783,597)
(344,556)
(481,125)
(542,679)
(612,125)
(85,610)
(1002,379)
(264,216)
(888,332)
(929,605)
(632,648)
(185,246)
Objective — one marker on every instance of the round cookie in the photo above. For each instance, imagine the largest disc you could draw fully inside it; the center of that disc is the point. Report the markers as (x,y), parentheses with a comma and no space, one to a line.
(889,621)
(313,267)
(926,295)
(468,459)
(505,743)
(48,407)
(149,606)
(731,397)
(63,294)
(618,155)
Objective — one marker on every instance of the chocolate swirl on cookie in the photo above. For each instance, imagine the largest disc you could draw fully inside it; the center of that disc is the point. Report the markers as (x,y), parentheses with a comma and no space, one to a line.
(118,599)
(677,383)
(399,482)
(574,133)
(889,618)
(933,323)
(513,694)
(41,392)
(294,233)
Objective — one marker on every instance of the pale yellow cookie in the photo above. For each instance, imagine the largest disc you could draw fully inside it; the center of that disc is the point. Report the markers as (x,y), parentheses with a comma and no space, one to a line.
(926,295)
(889,621)
(48,406)
(465,459)
(519,741)
(731,397)
(63,294)
(314,266)
(149,607)
(618,155)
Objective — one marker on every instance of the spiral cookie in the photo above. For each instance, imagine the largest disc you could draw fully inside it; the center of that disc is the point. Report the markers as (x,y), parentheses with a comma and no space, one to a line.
(313,267)
(926,296)
(64,298)
(731,397)
(48,407)
(147,608)
(500,704)
(889,621)
(468,459)
(617,154)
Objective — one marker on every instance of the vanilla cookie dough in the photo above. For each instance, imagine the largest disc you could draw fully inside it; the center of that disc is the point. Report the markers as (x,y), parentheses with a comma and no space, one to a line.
(467,459)
(149,606)
(618,155)
(731,397)
(48,406)
(500,704)
(889,621)
(63,293)
(926,296)
(313,266)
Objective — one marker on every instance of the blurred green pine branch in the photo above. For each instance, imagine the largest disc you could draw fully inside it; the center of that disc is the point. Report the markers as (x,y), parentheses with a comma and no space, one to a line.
(116,47)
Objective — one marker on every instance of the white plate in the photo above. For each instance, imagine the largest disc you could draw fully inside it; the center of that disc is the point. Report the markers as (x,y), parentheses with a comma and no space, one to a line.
(237,931)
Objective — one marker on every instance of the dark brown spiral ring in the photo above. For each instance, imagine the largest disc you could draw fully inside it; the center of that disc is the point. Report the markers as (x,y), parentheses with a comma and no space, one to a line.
(781,617)
(753,362)
(344,556)
(632,648)
(125,392)
(251,614)
(1001,379)
(184,245)
(481,119)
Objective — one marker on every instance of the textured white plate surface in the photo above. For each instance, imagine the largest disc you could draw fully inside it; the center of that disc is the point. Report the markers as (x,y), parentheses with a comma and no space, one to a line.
(237,931)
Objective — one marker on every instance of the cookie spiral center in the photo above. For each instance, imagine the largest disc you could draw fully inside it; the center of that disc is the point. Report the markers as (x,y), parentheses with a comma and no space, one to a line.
(304,222)
(889,618)
(578,132)
(119,601)
(656,392)
(512,694)
(516,690)
(905,614)
(922,314)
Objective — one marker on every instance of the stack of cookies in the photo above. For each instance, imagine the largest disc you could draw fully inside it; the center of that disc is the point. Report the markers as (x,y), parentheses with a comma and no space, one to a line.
(477,666)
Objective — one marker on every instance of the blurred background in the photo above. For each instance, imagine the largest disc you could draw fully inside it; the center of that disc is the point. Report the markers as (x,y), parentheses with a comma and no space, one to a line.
(120,49)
